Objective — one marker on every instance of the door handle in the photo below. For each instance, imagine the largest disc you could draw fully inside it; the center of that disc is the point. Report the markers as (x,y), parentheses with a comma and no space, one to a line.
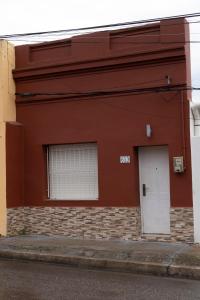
(144,189)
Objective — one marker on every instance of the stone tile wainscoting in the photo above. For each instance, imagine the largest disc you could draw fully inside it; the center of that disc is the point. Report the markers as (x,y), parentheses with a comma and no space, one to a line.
(182,225)
(76,222)
(95,222)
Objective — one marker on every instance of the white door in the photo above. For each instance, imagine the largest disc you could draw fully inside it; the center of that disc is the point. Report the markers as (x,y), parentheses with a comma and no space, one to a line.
(154,189)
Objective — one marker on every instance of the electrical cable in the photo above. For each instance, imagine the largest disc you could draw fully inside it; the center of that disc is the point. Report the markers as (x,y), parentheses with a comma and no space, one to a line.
(135,35)
(107,26)
(130,110)
(111,92)
(130,42)
(99,39)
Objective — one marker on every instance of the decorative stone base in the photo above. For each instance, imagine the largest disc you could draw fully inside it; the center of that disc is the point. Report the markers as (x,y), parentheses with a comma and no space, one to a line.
(95,223)
(76,222)
(182,228)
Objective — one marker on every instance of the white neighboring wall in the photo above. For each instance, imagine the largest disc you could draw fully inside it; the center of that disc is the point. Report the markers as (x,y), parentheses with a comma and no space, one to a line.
(195,152)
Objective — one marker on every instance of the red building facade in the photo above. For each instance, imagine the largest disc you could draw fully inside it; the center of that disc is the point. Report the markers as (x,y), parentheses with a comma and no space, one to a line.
(100,99)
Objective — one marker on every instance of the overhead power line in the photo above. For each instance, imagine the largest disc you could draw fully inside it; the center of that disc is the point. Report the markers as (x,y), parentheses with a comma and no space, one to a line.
(134,91)
(111,91)
(59,35)
(107,26)
(123,42)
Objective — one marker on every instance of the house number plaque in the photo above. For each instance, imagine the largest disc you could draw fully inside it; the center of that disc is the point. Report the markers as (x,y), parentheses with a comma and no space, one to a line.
(125,159)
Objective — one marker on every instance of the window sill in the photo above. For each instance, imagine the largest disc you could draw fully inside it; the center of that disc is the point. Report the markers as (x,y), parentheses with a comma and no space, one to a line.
(69,200)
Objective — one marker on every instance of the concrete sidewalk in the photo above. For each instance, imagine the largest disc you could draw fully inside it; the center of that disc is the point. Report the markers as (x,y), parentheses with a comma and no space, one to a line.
(157,258)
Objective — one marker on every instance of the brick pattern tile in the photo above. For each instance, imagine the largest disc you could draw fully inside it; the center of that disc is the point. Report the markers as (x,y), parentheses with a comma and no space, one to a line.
(95,223)
(79,222)
(182,224)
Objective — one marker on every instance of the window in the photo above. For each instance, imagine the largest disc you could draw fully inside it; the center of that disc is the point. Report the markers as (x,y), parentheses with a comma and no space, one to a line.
(73,172)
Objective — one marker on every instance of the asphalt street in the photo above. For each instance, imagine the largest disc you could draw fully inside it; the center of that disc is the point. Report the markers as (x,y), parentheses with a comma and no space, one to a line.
(25,280)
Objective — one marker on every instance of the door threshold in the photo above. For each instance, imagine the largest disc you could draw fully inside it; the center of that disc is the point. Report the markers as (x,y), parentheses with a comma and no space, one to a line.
(156,237)
(155,234)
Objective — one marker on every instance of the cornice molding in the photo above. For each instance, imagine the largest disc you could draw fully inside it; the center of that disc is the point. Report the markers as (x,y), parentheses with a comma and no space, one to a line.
(155,56)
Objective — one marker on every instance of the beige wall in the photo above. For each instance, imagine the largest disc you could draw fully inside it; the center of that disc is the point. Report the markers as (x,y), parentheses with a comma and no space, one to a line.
(7,113)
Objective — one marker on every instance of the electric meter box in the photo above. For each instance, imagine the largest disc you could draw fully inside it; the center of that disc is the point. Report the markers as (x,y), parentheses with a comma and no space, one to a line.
(178,164)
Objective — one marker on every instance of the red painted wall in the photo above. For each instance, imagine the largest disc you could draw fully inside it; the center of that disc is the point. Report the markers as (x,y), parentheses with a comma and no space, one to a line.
(15,164)
(134,58)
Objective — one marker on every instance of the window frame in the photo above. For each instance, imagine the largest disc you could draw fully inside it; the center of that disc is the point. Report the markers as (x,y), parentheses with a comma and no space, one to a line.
(48,173)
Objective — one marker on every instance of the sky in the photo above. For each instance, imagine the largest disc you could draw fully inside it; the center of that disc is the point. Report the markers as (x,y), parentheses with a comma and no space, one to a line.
(19,16)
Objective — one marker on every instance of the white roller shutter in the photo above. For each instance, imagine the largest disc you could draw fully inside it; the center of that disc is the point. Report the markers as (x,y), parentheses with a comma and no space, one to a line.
(73,172)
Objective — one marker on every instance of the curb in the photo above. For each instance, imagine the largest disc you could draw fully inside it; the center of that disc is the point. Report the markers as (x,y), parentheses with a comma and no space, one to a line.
(136,267)
(188,272)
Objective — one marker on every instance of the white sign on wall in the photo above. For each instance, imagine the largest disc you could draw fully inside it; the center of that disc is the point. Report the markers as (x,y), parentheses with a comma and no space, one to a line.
(125,159)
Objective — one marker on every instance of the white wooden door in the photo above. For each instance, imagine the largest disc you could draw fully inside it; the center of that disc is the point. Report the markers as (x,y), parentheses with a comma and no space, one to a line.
(154,189)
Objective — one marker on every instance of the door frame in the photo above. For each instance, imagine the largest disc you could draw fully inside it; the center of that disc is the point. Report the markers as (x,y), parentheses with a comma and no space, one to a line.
(140,202)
